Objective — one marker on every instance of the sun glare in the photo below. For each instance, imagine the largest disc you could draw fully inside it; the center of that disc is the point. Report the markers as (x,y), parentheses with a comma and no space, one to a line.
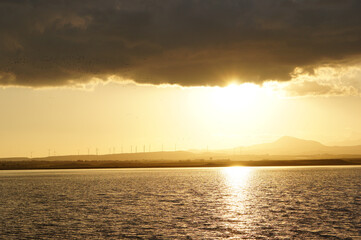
(243,91)
(237,179)
(237,172)
(236,96)
(237,176)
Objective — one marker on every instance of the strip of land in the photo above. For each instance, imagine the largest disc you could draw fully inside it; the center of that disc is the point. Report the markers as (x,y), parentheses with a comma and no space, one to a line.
(84,164)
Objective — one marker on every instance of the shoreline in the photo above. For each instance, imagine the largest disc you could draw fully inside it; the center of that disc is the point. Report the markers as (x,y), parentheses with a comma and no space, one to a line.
(103,164)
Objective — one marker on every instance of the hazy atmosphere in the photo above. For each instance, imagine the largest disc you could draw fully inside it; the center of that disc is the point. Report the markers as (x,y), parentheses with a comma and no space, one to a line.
(112,75)
(114,117)
(180,119)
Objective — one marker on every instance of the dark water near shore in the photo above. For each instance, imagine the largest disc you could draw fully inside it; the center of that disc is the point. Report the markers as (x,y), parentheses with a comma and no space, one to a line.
(204,203)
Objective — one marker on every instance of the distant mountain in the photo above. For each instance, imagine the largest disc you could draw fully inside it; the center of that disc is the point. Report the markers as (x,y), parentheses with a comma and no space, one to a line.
(15,159)
(283,148)
(295,146)
(171,155)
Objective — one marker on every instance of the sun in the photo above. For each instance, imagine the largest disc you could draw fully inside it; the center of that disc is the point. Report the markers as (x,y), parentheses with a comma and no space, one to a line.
(243,91)
(235,96)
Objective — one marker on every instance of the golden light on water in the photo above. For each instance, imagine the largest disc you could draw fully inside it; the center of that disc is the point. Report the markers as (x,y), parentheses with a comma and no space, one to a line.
(237,181)
(237,177)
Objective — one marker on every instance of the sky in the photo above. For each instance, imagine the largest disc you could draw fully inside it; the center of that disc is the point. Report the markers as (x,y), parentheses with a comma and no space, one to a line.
(115,75)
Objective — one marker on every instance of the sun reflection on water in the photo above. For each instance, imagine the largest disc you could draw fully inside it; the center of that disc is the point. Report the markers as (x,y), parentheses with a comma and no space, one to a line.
(237,180)
(237,177)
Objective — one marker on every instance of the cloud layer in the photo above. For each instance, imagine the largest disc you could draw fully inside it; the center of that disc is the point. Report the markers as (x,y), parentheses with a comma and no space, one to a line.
(336,80)
(185,42)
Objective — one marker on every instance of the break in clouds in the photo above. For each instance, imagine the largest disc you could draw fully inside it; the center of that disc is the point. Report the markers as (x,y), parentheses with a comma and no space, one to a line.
(185,42)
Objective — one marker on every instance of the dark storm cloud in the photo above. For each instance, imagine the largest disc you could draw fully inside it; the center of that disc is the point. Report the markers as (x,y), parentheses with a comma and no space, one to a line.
(198,42)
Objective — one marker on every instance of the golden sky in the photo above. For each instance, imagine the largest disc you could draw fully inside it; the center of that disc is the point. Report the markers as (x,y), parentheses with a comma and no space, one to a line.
(113,115)
(183,74)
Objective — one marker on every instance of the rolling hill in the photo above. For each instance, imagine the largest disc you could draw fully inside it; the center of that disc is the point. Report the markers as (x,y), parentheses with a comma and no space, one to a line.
(295,146)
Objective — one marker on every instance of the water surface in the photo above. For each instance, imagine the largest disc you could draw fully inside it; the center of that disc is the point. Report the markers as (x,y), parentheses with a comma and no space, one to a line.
(182,203)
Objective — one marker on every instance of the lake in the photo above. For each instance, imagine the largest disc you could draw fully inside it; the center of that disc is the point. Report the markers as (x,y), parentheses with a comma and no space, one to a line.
(182,203)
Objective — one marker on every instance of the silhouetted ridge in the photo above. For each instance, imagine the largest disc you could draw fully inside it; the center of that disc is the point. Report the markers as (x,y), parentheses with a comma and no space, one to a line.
(287,140)
(287,146)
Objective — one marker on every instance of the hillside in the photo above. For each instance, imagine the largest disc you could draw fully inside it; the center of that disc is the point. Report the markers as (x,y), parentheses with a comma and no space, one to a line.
(295,146)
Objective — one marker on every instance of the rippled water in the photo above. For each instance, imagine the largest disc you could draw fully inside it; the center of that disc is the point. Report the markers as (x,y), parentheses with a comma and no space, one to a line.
(203,203)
